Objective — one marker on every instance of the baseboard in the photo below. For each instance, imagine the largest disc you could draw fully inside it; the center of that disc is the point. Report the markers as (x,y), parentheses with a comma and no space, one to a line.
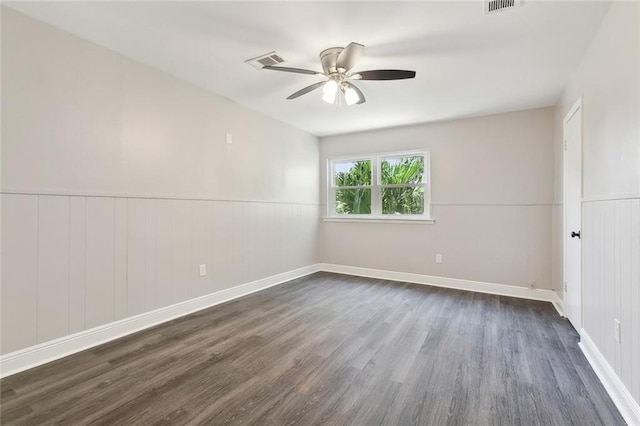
(455,283)
(559,305)
(622,398)
(43,353)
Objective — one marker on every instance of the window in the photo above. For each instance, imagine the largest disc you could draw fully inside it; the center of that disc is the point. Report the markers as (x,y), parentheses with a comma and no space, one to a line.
(380,186)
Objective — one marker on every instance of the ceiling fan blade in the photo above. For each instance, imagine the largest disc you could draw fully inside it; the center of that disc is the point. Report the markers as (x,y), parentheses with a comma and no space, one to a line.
(358,91)
(349,56)
(287,69)
(307,89)
(384,75)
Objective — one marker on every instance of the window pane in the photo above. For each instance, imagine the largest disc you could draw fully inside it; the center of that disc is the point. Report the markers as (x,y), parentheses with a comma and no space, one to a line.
(408,200)
(353,201)
(402,170)
(352,173)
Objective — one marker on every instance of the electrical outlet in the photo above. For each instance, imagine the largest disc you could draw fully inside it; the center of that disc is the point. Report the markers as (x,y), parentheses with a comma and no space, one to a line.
(438,258)
(532,283)
(616,331)
(203,270)
(229,138)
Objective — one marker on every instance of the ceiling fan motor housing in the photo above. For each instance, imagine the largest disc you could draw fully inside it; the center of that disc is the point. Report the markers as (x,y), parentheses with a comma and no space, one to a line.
(329,58)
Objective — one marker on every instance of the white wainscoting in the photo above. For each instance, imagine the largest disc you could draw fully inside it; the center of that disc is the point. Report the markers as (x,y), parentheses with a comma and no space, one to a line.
(113,266)
(73,263)
(42,353)
(622,398)
(611,290)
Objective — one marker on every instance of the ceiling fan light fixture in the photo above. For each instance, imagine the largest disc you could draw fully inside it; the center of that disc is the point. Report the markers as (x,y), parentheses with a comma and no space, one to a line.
(351,96)
(329,91)
(337,63)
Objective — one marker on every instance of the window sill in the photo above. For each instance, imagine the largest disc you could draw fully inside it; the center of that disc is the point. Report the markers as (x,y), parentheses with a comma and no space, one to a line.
(406,220)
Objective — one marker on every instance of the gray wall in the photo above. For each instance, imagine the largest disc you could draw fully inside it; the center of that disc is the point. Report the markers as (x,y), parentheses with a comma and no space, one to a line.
(608,80)
(492,190)
(117,183)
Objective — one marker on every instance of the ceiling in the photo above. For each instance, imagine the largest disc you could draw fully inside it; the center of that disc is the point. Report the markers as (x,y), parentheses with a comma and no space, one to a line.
(467,63)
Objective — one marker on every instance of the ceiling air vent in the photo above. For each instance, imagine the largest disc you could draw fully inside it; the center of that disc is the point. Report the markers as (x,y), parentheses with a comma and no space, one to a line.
(268,59)
(493,6)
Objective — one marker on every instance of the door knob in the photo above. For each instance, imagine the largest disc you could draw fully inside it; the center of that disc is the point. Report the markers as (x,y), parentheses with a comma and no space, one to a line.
(575,234)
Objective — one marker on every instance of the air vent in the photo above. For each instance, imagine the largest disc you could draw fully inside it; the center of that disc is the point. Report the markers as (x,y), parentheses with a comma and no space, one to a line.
(268,59)
(494,6)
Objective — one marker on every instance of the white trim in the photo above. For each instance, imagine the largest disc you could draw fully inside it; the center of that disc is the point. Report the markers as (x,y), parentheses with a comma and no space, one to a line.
(57,193)
(577,106)
(376,184)
(559,305)
(376,191)
(448,204)
(43,353)
(455,283)
(622,398)
(614,197)
(574,108)
(369,156)
(377,219)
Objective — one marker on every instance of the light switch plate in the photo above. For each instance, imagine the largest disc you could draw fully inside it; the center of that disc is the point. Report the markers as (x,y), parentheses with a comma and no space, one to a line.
(203,270)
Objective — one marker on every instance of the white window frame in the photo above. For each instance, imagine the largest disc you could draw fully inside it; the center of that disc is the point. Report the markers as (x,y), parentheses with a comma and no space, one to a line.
(376,189)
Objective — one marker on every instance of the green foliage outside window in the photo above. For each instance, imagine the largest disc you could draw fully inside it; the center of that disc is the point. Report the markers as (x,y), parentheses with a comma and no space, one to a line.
(405,199)
(354,200)
(400,200)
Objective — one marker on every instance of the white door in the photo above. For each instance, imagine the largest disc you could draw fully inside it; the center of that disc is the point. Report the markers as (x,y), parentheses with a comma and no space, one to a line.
(573,215)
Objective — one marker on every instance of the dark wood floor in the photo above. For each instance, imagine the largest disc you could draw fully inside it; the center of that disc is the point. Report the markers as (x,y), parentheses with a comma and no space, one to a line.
(329,349)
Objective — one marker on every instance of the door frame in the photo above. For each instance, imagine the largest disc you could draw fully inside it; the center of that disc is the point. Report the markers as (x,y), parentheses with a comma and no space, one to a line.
(577,106)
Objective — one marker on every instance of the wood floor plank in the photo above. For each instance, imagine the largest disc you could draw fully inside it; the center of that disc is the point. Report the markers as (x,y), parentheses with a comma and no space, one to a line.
(328,349)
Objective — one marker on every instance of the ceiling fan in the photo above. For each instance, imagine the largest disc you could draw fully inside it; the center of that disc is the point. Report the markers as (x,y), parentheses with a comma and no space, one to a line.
(337,63)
